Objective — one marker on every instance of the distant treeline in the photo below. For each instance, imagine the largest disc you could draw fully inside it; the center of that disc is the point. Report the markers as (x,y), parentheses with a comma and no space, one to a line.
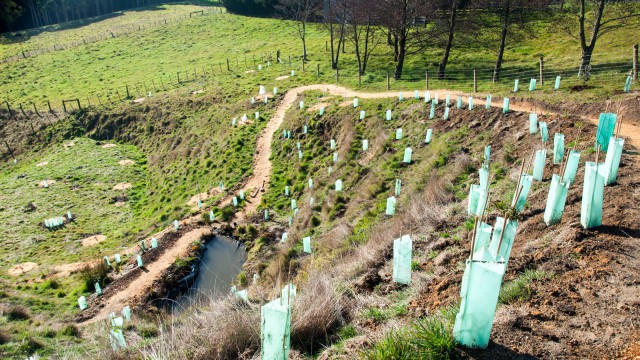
(25,14)
(251,7)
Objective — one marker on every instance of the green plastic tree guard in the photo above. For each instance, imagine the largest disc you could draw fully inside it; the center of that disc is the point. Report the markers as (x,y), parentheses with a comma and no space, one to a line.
(483,236)
(45,184)
(266,214)
(388,115)
(199,204)
(329,169)
(234,122)
(459,102)
(398,133)
(288,134)
(398,187)
(538,164)
(234,200)
(338,185)
(400,98)
(310,183)
(154,243)
(266,99)
(474,197)
(558,148)
(515,85)
(221,185)
(335,157)
(176,225)
(391,206)
(294,204)
(487,155)
(435,99)
(143,245)
(612,161)
(557,84)
(284,134)
(116,338)
(505,106)
(117,258)
(510,229)
(432,112)
(362,114)
(427,138)
(284,237)
(544,131)
(445,116)
(483,174)
(416,94)
(447,101)
(305,129)
(407,156)
(306,244)
(606,126)
(98,289)
(293,73)
(257,115)
(532,85)
(479,292)
(487,103)
(571,168)
(321,113)
(212,217)
(290,221)
(288,290)
(242,295)
(241,194)
(427,96)
(139,259)
(365,145)
(69,215)
(355,102)
(332,144)
(275,90)
(106,261)
(402,249)
(310,201)
(533,123)
(253,100)
(627,84)
(555,200)
(470,103)
(592,195)
(82,302)
(300,154)
(286,191)
(525,186)
(298,145)
(275,328)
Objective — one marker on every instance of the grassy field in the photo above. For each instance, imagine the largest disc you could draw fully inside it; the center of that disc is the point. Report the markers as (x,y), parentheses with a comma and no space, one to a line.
(204,43)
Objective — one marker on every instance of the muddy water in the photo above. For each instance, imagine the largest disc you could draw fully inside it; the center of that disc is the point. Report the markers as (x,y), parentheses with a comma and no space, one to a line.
(221,263)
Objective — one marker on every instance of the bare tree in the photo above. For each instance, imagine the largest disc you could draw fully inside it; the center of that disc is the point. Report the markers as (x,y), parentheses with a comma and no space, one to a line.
(450,9)
(362,31)
(406,23)
(300,12)
(596,18)
(336,13)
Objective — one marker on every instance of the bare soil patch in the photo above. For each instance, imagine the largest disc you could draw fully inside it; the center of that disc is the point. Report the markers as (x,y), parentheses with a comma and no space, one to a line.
(282,77)
(93,240)
(197,92)
(22,268)
(119,203)
(249,71)
(106,146)
(49,183)
(317,107)
(44,163)
(137,101)
(122,186)
(126,162)
(69,144)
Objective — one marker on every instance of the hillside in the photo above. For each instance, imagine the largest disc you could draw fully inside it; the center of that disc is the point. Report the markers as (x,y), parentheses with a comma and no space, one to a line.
(182,162)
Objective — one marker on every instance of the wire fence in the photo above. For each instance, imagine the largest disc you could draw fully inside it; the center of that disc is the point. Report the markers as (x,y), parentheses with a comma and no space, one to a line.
(112,33)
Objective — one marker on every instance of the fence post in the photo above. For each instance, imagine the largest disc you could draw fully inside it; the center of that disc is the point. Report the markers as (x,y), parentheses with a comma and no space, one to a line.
(388,81)
(99,100)
(36,110)
(541,70)
(426,78)
(128,95)
(154,86)
(475,81)
(78,101)
(289,61)
(635,62)
(254,60)
(326,45)
(318,72)
(228,69)
(22,111)
(211,69)
(178,75)
(88,101)
(64,106)
(49,105)
(118,93)
(9,108)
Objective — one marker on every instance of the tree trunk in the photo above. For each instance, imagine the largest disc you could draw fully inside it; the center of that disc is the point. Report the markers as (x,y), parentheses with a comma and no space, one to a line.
(402,45)
(331,38)
(304,42)
(585,64)
(447,50)
(503,42)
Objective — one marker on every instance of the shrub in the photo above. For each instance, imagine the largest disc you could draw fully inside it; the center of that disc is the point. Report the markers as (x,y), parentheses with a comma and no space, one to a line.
(433,336)
(226,214)
(315,221)
(17,313)
(90,275)
(51,284)
(148,331)
(70,330)
(394,346)
(519,288)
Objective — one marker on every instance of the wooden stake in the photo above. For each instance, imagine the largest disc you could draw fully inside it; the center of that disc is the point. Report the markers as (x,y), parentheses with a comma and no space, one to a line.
(473,237)
(504,226)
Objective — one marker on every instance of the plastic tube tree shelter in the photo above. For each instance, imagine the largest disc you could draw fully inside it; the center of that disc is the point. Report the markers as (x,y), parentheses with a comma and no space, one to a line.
(592,193)
(558,148)
(275,329)
(544,132)
(533,123)
(416,94)
(612,160)
(402,249)
(522,190)
(365,145)
(606,127)
(427,138)
(487,102)
(432,112)
(556,200)
(538,166)
(556,86)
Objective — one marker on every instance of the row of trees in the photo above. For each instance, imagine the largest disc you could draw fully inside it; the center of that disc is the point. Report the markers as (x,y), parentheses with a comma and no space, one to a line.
(22,14)
(410,26)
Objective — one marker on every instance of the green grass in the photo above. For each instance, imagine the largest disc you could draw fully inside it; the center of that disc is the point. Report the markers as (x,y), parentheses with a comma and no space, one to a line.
(519,289)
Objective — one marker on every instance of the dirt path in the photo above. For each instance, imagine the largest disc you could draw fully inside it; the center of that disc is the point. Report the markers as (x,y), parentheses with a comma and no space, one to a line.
(261,175)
